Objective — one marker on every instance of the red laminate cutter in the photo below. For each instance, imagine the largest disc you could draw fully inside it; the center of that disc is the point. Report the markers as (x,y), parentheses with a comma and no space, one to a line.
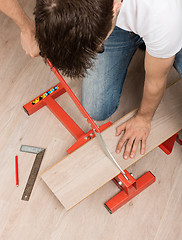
(128,185)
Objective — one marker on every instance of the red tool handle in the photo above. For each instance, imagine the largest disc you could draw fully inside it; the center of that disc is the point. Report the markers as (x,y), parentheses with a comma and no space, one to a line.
(73,97)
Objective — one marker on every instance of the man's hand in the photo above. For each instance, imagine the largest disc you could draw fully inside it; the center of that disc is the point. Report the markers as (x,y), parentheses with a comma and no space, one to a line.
(136,130)
(13,10)
(28,41)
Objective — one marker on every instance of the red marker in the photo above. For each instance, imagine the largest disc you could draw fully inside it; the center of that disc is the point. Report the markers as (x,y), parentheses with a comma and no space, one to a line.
(16,170)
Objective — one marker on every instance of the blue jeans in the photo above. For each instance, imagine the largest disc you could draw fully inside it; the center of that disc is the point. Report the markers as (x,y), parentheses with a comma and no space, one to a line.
(101,89)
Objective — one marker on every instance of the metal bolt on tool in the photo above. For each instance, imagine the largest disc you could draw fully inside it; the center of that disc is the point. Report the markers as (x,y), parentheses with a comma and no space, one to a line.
(120,183)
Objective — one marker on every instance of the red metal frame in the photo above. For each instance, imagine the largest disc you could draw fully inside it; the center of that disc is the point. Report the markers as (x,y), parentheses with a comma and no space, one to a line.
(168,145)
(48,99)
(129,188)
(56,109)
(86,137)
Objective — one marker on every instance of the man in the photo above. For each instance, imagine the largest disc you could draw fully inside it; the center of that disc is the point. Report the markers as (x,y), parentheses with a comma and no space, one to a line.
(71,33)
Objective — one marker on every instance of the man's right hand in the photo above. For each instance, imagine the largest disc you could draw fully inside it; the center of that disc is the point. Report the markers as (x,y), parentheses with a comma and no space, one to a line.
(28,41)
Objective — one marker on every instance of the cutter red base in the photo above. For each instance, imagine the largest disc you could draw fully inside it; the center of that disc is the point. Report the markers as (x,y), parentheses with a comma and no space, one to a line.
(168,145)
(130,188)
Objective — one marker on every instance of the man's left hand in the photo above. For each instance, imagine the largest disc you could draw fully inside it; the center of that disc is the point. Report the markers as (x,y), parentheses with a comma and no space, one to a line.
(28,41)
(136,129)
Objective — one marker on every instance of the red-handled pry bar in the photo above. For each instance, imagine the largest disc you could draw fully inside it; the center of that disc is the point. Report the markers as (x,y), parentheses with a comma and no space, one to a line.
(87,116)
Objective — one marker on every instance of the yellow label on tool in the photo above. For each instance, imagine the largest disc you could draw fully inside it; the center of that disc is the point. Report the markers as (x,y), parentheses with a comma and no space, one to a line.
(51,90)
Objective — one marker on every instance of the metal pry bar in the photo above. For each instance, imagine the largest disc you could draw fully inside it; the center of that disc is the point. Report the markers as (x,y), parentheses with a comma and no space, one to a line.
(87,116)
(108,153)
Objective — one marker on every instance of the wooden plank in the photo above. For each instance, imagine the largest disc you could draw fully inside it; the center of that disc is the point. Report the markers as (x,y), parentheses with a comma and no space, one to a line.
(87,169)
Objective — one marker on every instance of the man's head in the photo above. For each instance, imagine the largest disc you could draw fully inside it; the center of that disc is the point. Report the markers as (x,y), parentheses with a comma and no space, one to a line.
(70,32)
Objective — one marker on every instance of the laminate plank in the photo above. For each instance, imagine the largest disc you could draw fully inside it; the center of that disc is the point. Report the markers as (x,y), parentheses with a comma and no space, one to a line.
(87,169)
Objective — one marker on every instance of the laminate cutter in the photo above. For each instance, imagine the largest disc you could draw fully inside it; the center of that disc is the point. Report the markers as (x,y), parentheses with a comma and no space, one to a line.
(129,186)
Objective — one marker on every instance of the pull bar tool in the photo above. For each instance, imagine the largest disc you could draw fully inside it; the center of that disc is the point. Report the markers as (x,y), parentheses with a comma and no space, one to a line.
(87,116)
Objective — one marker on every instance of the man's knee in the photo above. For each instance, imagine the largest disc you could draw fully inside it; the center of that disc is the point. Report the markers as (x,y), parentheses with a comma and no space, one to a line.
(100,113)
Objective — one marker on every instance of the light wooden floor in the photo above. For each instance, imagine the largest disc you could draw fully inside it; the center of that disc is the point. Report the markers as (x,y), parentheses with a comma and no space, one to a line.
(156,214)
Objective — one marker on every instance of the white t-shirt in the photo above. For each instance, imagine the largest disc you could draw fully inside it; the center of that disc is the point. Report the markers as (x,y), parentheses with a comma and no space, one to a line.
(157,22)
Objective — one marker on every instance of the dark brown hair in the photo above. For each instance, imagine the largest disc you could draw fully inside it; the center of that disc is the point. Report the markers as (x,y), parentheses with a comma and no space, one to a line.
(69,32)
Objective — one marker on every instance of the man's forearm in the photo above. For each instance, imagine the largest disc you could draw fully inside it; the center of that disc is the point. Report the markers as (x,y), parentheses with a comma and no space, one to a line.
(13,10)
(138,128)
(152,95)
